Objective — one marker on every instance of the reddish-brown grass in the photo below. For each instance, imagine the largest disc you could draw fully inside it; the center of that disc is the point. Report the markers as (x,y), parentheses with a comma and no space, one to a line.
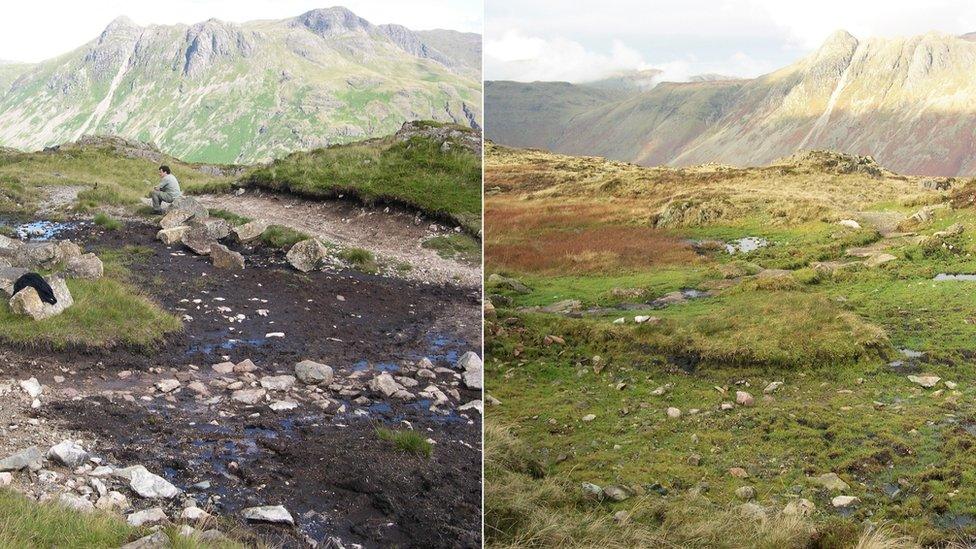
(591,250)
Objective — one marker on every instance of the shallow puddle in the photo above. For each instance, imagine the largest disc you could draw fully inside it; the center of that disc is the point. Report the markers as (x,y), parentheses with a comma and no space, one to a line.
(746,245)
(43,230)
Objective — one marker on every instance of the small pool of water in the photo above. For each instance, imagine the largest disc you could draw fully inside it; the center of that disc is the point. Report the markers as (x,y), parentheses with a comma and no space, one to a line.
(964,277)
(208,348)
(364,365)
(43,230)
(746,245)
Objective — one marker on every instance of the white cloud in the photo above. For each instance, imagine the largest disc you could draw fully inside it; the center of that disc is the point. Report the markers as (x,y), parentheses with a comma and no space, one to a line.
(37,30)
(686,37)
(517,56)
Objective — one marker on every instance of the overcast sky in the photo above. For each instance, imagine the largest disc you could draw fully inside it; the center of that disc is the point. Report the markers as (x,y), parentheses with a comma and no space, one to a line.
(579,40)
(33,30)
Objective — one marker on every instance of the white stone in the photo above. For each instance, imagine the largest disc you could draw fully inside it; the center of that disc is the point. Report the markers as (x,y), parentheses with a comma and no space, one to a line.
(268,513)
(146,484)
(68,453)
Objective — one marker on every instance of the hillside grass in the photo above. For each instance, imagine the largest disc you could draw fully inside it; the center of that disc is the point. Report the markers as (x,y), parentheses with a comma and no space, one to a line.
(416,173)
(29,524)
(805,310)
(106,312)
(109,178)
(530,505)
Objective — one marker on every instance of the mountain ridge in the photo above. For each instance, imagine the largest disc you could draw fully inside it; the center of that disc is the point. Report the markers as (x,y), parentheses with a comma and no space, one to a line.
(219,91)
(906,101)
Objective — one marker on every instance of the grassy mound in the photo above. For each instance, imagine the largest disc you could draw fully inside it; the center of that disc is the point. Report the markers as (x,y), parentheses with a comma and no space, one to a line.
(105,313)
(417,173)
(109,178)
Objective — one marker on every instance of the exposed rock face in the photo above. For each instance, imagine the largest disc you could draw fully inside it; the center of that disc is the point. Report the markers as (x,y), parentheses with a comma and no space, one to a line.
(307,255)
(223,258)
(901,100)
(28,302)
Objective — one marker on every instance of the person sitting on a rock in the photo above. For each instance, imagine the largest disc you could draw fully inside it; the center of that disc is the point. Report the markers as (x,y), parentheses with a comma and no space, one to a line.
(167,191)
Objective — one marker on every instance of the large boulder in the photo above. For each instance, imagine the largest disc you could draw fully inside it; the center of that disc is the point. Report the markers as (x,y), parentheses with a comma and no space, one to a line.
(86,266)
(223,258)
(215,228)
(249,231)
(198,239)
(182,210)
(27,301)
(50,255)
(473,370)
(68,453)
(307,255)
(9,275)
(172,235)
(30,458)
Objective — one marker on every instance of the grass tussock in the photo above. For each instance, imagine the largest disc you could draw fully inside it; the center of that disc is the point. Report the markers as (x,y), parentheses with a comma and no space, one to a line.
(107,222)
(417,173)
(410,442)
(278,236)
(26,523)
(885,538)
(525,509)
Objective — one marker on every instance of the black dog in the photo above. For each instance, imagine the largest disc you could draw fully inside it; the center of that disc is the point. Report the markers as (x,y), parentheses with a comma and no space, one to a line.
(37,282)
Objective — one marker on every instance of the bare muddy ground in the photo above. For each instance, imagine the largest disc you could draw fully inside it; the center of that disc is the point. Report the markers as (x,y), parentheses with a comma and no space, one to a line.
(392,233)
(322,460)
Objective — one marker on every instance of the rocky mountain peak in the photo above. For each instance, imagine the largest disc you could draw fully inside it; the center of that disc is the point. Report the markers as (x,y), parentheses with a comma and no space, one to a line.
(210,40)
(333,21)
